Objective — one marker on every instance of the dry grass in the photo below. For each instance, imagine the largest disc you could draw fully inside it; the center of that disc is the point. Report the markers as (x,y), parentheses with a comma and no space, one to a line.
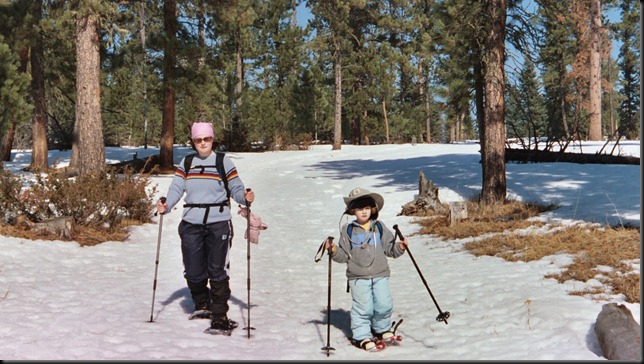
(83,235)
(593,247)
(484,219)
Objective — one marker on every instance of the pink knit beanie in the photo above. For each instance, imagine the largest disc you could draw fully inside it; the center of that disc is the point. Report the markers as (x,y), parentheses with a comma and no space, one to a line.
(202,130)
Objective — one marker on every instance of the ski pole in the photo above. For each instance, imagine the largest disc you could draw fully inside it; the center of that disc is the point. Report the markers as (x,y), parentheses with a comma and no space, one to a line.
(248,327)
(442,316)
(156,263)
(328,309)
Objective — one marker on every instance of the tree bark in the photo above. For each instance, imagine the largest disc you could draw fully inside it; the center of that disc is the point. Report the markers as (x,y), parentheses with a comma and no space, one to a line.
(91,146)
(166,151)
(7,140)
(595,127)
(39,159)
(337,126)
(384,113)
(494,182)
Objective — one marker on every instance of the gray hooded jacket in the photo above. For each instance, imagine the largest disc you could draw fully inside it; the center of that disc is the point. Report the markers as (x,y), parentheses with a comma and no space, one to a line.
(366,252)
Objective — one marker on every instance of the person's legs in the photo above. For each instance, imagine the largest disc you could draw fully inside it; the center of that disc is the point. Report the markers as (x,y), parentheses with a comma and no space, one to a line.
(193,253)
(361,308)
(383,305)
(218,251)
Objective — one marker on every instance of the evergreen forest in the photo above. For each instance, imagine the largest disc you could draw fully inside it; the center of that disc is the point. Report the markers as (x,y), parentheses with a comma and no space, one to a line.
(74,73)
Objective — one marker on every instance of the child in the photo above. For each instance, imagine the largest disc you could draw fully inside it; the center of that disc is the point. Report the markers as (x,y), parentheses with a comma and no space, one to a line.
(364,246)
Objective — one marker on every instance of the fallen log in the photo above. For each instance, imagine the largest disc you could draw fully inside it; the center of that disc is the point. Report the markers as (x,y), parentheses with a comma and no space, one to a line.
(618,333)
(60,227)
(537,156)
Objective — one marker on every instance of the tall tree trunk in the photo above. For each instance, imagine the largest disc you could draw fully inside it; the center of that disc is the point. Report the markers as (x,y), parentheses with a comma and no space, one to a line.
(595,127)
(39,121)
(143,22)
(452,133)
(166,153)
(201,61)
(366,131)
(238,101)
(91,146)
(479,92)
(337,125)
(424,96)
(564,119)
(239,87)
(7,140)
(613,124)
(494,183)
(384,112)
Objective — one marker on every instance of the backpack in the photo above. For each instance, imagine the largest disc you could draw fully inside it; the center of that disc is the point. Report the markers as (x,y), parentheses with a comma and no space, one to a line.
(219,164)
(350,229)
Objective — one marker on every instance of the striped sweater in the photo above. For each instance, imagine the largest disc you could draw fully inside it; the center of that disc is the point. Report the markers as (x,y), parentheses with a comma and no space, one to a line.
(203,188)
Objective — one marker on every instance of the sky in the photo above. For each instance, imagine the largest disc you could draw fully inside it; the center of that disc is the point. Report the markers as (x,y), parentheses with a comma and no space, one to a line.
(60,301)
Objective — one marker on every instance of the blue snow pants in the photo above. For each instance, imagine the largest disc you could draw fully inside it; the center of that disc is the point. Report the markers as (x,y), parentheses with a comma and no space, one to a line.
(372,306)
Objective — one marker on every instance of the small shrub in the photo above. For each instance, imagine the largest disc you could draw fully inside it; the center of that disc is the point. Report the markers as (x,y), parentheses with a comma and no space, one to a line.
(102,206)
(10,186)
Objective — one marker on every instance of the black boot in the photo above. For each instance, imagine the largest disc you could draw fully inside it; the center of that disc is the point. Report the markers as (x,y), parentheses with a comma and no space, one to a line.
(200,295)
(219,296)
(222,323)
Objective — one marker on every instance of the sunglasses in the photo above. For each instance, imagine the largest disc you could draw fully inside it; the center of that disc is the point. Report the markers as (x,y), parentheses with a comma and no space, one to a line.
(199,140)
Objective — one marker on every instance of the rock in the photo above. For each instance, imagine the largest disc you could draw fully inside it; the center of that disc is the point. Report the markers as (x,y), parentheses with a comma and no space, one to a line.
(618,333)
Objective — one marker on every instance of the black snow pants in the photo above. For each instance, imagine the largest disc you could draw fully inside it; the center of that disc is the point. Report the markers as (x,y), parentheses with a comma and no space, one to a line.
(205,250)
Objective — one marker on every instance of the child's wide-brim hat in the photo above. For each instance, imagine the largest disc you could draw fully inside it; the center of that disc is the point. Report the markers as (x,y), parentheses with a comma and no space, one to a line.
(360,193)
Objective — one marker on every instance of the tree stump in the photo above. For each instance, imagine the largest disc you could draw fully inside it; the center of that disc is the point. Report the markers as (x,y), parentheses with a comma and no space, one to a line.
(618,333)
(457,212)
(427,199)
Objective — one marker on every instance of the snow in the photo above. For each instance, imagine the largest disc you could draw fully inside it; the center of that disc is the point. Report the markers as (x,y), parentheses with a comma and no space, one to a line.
(60,301)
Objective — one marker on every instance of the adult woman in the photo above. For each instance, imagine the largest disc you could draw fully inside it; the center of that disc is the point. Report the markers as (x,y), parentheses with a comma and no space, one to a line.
(206,229)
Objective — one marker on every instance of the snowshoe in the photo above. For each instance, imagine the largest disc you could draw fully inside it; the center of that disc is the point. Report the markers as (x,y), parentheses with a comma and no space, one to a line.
(388,338)
(200,314)
(369,344)
(221,325)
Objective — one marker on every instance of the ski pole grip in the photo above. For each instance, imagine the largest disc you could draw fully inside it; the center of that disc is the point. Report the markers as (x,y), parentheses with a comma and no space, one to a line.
(163,200)
(330,249)
(247,202)
(398,233)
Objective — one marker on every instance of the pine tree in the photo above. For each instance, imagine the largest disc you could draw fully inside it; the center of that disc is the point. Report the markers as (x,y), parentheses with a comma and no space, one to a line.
(91,146)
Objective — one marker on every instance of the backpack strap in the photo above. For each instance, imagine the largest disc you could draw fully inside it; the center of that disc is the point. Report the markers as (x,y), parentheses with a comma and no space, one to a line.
(222,172)
(187,162)
(379,226)
(219,164)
